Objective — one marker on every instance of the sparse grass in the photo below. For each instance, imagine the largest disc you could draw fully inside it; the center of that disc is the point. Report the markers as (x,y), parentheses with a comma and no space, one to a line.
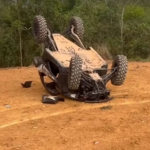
(105,107)
(138,59)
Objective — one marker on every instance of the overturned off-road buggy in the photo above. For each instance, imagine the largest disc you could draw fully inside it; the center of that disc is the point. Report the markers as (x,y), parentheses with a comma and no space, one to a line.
(75,71)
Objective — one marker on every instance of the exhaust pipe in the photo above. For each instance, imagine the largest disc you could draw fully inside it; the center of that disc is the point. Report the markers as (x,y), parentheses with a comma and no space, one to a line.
(42,68)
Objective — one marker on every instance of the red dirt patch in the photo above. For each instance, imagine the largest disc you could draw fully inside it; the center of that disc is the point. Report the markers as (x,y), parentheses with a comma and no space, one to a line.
(29,124)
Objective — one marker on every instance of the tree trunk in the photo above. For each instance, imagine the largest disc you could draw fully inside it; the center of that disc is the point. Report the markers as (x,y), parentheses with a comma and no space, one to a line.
(20,37)
(121,29)
(20,47)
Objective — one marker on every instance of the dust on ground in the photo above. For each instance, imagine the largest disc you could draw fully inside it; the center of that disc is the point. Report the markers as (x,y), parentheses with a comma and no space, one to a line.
(28,124)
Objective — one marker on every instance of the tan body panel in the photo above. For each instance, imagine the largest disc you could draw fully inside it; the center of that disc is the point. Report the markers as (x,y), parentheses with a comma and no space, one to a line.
(66,50)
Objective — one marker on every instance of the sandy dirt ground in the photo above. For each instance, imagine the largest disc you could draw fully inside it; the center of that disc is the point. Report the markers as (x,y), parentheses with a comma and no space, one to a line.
(31,125)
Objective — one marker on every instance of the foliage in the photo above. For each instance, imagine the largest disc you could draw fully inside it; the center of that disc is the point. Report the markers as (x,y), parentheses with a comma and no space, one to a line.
(122,26)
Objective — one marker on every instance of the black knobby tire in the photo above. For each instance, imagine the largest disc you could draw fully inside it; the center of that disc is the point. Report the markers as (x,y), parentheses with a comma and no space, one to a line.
(75,71)
(121,63)
(40,29)
(78,24)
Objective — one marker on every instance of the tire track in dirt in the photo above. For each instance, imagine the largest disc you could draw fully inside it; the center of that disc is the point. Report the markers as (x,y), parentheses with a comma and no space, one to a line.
(28,99)
(48,113)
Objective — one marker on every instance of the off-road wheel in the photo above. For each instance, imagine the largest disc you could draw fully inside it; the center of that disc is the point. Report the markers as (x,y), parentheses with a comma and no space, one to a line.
(121,63)
(75,71)
(78,24)
(40,29)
